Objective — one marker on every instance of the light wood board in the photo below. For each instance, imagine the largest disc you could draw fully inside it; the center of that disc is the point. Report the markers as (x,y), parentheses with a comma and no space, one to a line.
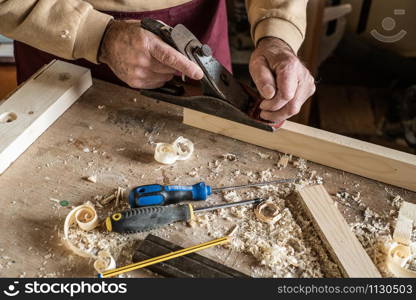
(334,230)
(337,151)
(32,108)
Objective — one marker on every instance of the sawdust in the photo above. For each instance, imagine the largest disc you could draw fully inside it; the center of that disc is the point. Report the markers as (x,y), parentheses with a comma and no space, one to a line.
(230,157)
(373,230)
(264,155)
(99,240)
(267,212)
(5,261)
(289,248)
(352,200)
(280,249)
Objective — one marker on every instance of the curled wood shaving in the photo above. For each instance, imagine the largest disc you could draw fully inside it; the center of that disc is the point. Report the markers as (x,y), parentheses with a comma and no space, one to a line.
(181,149)
(118,196)
(86,218)
(165,154)
(107,199)
(233,230)
(403,232)
(184,148)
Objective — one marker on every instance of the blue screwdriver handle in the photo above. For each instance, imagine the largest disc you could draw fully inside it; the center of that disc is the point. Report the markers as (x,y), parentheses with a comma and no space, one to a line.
(156,194)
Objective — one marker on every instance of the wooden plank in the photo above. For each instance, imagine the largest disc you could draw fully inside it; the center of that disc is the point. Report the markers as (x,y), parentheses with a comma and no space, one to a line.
(337,151)
(336,234)
(36,104)
(346,110)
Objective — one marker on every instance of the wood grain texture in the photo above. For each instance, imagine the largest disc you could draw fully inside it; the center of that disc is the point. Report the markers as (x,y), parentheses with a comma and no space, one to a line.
(337,151)
(335,232)
(33,107)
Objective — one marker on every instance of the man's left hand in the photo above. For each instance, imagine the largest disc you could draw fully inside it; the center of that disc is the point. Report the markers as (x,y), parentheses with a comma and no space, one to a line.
(281,78)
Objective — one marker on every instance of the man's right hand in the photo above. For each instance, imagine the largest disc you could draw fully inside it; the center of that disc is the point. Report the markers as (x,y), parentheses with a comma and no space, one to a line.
(142,59)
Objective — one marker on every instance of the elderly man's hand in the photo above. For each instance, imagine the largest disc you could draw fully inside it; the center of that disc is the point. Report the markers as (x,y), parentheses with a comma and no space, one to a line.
(281,78)
(140,58)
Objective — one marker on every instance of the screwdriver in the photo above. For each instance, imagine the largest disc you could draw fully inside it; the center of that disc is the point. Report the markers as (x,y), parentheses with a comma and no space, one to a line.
(152,217)
(157,194)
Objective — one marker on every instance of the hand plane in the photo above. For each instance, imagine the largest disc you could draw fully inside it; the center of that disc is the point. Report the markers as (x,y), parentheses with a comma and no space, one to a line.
(222,95)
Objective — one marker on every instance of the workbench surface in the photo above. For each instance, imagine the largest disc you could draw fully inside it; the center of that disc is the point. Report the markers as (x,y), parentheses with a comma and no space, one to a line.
(110,133)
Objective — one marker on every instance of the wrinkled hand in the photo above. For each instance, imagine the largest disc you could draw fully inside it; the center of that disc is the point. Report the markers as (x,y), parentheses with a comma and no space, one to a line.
(281,79)
(140,58)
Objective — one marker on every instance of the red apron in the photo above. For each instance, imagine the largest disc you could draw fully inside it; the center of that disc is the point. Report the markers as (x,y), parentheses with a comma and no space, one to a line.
(206,19)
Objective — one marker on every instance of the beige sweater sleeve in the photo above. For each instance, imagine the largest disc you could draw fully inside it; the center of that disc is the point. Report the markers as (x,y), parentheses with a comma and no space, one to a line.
(70,29)
(73,29)
(284,19)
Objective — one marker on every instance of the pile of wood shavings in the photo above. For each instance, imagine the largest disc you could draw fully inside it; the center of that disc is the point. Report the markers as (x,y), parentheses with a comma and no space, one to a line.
(288,248)
(95,241)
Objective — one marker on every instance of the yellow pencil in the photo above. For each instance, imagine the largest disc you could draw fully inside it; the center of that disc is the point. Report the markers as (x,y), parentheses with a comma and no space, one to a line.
(164,257)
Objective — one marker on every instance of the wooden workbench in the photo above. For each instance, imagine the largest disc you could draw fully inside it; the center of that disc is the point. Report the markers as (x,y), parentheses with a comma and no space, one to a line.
(109,133)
